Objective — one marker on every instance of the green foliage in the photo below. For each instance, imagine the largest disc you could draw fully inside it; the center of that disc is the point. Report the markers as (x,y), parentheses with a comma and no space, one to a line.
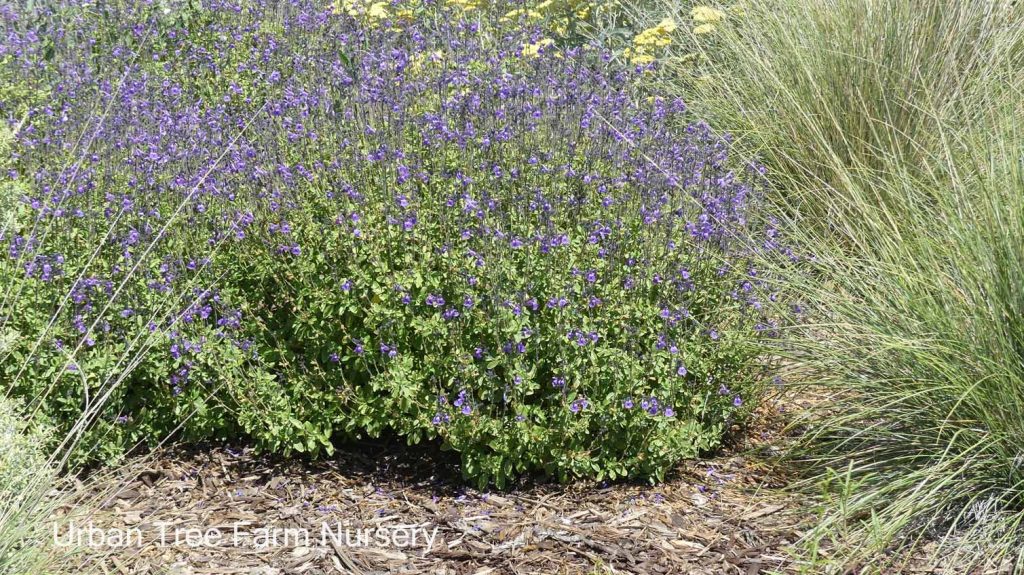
(518,421)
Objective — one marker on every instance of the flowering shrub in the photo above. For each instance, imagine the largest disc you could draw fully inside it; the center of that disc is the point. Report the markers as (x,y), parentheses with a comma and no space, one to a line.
(299,222)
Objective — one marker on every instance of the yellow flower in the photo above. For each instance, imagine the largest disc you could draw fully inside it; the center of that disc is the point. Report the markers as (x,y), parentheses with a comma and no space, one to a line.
(659,35)
(560,27)
(378,11)
(350,7)
(666,26)
(466,5)
(423,59)
(654,37)
(363,9)
(704,29)
(638,56)
(532,50)
(518,13)
(706,14)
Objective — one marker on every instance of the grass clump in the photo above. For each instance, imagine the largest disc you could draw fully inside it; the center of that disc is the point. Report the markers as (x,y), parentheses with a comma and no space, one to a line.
(892,134)
(26,479)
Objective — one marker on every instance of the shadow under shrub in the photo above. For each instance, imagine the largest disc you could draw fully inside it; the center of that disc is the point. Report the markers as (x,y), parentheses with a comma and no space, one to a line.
(298,224)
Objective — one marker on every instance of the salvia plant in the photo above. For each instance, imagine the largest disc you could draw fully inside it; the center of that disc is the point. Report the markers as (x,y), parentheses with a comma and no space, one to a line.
(299,222)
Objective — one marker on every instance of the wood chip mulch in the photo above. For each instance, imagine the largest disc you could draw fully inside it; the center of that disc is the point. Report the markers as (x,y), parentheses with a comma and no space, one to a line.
(719,516)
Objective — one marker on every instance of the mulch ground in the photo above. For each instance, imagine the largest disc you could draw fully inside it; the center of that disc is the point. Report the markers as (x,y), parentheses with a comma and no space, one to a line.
(725,515)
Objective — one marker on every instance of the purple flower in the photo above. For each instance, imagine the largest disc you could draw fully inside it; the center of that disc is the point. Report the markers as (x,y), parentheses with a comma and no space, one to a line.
(578,405)
(462,402)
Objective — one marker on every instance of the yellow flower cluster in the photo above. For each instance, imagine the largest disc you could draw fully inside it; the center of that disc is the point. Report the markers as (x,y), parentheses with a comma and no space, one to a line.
(707,14)
(372,11)
(467,5)
(659,35)
(425,60)
(518,13)
(638,56)
(533,50)
(706,17)
(579,8)
(647,41)
(559,14)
